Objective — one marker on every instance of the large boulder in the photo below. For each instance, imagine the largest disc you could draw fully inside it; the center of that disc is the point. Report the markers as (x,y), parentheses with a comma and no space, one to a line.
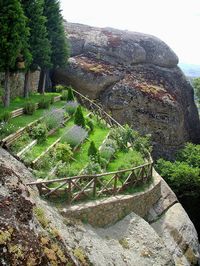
(136,78)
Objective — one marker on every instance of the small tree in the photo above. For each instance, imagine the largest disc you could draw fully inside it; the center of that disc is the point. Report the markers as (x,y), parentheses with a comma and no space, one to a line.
(196,85)
(79,118)
(14,40)
(70,96)
(92,150)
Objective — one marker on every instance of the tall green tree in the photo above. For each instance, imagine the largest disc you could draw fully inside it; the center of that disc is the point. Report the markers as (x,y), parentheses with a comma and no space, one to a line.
(40,46)
(56,35)
(14,35)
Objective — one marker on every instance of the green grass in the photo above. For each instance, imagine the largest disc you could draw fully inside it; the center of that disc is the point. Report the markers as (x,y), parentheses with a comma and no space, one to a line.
(19,101)
(81,157)
(24,120)
(41,147)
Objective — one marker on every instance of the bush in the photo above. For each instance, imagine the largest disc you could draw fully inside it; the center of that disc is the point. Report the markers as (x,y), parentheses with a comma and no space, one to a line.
(52,100)
(65,170)
(39,132)
(44,103)
(53,118)
(93,152)
(90,124)
(59,88)
(184,179)
(64,95)
(29,108)
(74,136)
(107,152)
(70,96)
(63,152)
(92,168)
(6,129)
(5,116)
(71,107)
(190,154)
(79,119)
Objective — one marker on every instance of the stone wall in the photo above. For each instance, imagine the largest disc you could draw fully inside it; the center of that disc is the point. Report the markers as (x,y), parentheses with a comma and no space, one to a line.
(108,211)
(17,82)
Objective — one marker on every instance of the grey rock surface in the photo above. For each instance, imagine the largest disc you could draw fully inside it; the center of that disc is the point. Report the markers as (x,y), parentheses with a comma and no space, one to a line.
(136,78)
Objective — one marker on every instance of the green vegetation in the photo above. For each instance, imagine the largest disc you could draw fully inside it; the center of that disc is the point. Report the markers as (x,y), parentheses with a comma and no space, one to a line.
(183,175)
(70,96)
(196,85)
(29,108)
(14,41)
(39,132)
(79,119)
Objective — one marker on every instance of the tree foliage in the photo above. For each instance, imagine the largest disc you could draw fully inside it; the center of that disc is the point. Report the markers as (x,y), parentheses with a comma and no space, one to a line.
(183,175)
(56,33)
(40,47)
(14,40)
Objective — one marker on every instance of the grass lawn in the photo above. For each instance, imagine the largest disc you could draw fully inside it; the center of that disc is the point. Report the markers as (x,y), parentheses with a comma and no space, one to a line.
(124,160)
(20,101)
(23,120)
(81,157)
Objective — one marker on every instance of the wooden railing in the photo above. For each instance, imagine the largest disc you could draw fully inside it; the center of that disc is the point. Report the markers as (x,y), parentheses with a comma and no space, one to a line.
(96,109)
(97,185)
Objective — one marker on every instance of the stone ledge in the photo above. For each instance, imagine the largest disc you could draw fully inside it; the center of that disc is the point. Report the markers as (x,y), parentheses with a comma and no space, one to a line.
(108,211)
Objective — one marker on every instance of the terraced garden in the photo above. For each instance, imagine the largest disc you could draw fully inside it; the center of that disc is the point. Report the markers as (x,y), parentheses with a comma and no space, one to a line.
(76,150)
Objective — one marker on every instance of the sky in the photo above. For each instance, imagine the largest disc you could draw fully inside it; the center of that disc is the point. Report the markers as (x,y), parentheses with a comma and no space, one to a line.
(176,22)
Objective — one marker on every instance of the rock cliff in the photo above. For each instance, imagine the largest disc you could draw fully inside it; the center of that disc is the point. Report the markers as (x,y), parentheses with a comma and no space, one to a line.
(136,78)
(32,232)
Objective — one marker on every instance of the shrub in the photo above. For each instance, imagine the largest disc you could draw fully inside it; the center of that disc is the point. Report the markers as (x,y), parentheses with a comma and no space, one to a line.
(5,116)
(90,124)
(64,95)
(70,96)
(52,100)
(20,143)
(183,178)
(190,154)
(65,170)
(93,152)
(74,136)
(71,107)
(92,168)
(107,152)
(63,152)
(53,118)
(59,88)
(39,132)
(79,119)
(44,103)
(6,129)
(29,108)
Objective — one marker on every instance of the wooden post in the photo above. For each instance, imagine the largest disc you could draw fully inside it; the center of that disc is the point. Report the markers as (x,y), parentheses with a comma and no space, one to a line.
(115,185)
(94,186)
(70,191)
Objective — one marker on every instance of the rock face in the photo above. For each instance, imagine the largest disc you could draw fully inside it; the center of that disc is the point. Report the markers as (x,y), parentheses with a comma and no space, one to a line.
(136,78)
(32,232)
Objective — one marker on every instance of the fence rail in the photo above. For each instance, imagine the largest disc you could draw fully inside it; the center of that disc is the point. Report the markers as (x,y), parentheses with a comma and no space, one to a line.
(97,185)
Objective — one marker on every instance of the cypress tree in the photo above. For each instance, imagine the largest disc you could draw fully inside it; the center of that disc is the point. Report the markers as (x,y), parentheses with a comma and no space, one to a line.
(13,41)
(40,46)
(92,150)
(70,95)
(56,36)
(79,118)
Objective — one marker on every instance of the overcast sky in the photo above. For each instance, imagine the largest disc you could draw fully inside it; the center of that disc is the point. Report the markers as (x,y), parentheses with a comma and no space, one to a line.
(177,22)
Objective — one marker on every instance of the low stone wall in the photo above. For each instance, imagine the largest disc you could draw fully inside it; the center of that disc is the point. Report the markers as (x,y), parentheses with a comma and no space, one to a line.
(17,82)
(108,211)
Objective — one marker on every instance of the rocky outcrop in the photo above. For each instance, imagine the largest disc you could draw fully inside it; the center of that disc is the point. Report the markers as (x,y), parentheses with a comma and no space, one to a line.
(171,222)
(136,78)
(32,232)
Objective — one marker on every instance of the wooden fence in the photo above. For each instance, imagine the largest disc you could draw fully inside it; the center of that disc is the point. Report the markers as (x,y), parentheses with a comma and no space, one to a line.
(97,185)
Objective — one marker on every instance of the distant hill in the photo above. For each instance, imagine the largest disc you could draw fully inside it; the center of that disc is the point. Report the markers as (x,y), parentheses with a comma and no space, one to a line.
(190,70)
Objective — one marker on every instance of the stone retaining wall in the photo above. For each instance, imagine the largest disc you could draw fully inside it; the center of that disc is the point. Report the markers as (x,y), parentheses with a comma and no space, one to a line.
(107,211)
(17,82)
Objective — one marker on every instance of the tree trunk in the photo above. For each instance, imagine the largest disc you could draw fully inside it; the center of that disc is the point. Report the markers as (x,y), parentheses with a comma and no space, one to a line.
(7,89)
(27,84)
(42,82)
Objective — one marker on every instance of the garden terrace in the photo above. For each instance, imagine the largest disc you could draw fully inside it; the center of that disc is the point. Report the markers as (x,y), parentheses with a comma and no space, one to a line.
(115,167)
